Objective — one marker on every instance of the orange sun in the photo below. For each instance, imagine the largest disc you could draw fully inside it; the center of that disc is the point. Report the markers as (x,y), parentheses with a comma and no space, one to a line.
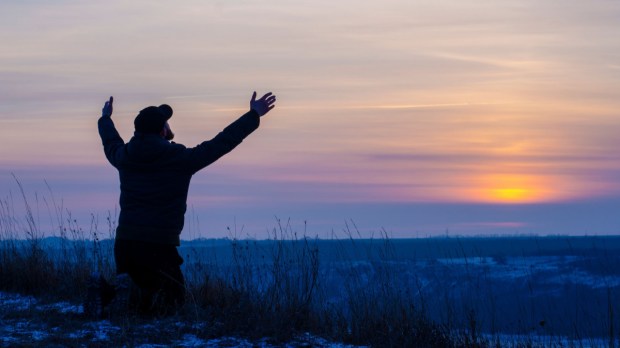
(513,188)
(511,194)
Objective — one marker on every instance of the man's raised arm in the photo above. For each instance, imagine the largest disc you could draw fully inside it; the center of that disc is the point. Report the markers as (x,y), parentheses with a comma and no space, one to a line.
(110,138)
(211,150)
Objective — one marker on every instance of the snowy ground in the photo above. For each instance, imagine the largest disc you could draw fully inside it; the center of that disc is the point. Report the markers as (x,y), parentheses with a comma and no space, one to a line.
(25,321)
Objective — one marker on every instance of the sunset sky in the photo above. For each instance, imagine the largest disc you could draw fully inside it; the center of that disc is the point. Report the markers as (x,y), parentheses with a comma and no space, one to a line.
(417,118)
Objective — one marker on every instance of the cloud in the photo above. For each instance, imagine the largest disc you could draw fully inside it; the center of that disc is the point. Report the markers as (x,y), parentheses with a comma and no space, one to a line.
(396,101)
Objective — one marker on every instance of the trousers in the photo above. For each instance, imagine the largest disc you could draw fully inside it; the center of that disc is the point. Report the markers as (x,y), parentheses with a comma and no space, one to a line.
(155,269)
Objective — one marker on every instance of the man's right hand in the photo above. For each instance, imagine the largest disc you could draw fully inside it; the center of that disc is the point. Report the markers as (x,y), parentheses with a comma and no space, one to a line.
(264,104)
(107,108)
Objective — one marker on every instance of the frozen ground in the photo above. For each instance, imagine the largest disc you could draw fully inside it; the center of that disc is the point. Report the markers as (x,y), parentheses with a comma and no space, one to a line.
(25,321)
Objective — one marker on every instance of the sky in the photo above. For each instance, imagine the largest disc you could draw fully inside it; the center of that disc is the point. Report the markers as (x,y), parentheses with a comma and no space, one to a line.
(403,118)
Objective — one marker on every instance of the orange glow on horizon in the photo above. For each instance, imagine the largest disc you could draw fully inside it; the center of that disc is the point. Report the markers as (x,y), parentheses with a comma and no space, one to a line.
(514,189)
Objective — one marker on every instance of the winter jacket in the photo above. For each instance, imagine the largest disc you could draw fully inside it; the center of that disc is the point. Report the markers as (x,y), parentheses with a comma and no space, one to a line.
(155,176)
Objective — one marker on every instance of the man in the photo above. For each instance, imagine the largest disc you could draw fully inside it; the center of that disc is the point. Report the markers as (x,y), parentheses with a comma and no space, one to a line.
(154,175)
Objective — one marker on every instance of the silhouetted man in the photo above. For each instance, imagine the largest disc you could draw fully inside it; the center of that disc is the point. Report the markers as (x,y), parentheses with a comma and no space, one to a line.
(154,175)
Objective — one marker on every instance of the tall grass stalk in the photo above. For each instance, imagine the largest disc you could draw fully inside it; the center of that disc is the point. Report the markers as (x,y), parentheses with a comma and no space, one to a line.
(53,263)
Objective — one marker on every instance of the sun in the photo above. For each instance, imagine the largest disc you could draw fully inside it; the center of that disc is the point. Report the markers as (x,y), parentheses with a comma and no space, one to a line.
(511,194)
(512,188)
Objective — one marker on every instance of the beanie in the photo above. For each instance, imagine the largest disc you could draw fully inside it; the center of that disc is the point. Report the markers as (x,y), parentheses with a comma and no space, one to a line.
(152,119)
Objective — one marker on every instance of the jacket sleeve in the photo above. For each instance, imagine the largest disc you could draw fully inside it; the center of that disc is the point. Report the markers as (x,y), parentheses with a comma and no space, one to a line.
(211,150)
(112,141)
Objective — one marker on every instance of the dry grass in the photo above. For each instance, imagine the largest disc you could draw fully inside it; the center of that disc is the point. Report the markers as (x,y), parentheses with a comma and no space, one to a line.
(267,289)
(275,288)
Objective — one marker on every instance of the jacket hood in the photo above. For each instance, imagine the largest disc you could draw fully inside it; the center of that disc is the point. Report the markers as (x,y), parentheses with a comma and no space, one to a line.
(146,147)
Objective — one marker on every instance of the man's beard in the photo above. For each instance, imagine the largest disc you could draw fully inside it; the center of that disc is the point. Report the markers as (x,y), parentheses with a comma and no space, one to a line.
(169,135)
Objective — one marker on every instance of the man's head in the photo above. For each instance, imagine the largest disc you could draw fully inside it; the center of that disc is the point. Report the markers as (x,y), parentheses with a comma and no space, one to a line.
(154,120)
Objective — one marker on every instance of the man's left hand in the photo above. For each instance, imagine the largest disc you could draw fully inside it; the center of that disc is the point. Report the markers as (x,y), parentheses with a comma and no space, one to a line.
(107,108)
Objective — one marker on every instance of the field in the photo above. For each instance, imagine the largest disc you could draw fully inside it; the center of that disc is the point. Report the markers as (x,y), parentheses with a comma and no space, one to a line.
(449,291)
(550,288)
(292,290)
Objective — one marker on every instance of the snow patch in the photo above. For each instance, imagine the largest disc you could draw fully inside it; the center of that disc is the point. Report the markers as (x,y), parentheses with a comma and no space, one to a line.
(102,329)
(16,302)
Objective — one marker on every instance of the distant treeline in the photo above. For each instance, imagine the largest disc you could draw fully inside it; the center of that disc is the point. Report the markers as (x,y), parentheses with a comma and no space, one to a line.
(424,248)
